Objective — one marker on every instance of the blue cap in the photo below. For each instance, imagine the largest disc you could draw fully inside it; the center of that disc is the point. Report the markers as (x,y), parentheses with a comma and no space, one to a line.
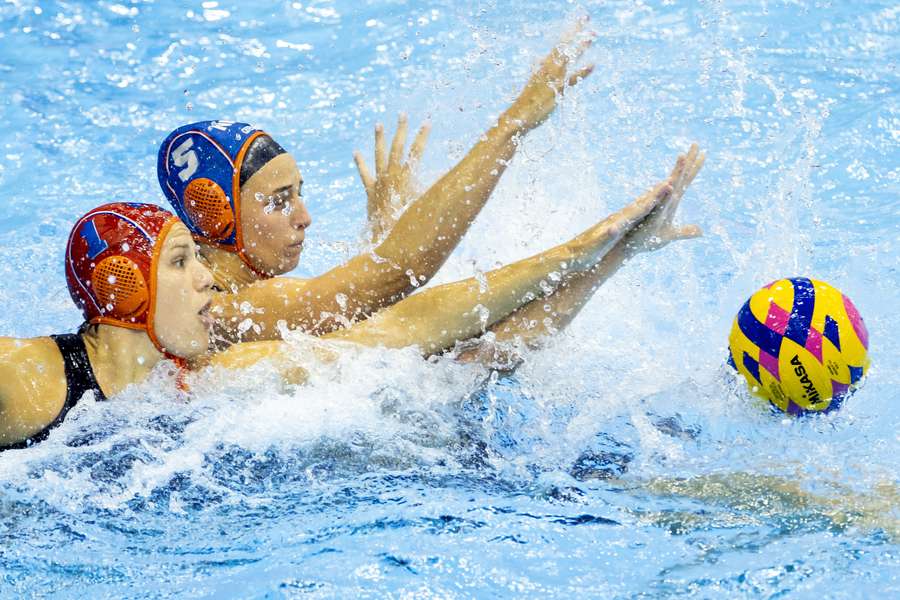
(199,170)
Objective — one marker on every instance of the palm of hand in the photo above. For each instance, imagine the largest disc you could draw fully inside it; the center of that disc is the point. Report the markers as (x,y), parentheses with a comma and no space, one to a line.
(392,191)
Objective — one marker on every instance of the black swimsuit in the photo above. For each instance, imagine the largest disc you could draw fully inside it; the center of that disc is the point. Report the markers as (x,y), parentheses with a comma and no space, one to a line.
(79,379)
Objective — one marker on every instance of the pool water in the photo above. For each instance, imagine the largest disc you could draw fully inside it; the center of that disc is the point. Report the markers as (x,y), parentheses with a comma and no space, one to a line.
(621,461)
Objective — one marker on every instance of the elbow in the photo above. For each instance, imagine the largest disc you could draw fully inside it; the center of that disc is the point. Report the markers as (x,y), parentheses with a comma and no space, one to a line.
(412,269)
(398,283)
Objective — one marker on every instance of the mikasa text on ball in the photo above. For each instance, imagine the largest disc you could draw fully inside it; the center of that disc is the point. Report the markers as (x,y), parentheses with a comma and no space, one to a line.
(801,344)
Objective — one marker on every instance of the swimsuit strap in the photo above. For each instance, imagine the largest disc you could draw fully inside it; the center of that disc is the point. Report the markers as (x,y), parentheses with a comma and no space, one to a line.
(79,373)
(79,379)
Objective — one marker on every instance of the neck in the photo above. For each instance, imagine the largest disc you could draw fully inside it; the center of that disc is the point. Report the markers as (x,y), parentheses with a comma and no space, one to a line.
(228,270)
(120,356)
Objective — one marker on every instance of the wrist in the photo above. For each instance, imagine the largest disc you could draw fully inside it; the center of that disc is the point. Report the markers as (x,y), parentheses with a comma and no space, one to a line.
(623,252)
(510,124)
(629,249)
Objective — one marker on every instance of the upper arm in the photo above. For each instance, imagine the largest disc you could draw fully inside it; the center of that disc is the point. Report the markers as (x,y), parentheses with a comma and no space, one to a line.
(319,305)
(242,356)
(253,312)
(32,387)
(389,330)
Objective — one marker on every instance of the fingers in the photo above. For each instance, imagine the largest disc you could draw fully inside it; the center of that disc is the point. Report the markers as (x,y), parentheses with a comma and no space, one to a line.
(689,160)
(364,173)
(418,146)
(380,154)
(572,32)
(399,142)
(580,75)
(686,167)
(688,232)
(581,47)
(690,172)
(677,171)
(693,162)
(575,32)
(567,50)
(647,203)
(698,164)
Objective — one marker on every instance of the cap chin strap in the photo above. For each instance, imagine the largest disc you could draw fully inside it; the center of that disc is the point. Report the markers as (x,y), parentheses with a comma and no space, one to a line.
(181,363)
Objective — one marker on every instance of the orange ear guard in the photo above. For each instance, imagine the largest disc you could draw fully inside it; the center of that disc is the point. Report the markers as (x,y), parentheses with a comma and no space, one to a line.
(207,205)
(120,287)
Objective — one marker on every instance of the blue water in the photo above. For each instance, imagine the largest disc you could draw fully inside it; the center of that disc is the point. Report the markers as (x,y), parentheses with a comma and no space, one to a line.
(392,476)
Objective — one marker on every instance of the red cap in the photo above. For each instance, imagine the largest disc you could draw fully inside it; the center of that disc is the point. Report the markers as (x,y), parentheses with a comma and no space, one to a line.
(111,262)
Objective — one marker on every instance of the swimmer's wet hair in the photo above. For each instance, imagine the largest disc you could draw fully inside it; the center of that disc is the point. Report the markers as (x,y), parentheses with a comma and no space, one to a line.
(261,151)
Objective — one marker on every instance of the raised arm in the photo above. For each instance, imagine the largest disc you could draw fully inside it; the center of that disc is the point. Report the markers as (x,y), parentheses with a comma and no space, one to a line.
(432,226)
(427,232)
(437,318)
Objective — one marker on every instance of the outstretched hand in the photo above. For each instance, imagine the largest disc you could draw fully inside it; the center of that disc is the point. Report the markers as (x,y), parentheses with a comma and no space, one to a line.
(392,187)
(538,99)
(590,246)
(657,229)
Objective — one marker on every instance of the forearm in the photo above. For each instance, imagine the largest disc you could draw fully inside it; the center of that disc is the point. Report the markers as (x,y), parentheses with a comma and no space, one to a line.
(435,321)
(350,292)
(432,226)
(546,316)
(438,317)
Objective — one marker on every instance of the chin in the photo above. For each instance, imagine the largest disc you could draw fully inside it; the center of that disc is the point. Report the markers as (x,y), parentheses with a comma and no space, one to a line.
(187,350)
(287,265)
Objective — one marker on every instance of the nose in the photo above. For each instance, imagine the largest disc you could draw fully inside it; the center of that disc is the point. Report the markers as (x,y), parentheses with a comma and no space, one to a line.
(300,218)
(203,279)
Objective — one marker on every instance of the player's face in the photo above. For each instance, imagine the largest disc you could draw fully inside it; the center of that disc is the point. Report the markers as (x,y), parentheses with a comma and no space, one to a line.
(273,216)
(181,319)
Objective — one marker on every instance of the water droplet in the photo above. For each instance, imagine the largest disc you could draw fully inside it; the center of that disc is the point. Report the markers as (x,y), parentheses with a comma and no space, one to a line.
(341,299)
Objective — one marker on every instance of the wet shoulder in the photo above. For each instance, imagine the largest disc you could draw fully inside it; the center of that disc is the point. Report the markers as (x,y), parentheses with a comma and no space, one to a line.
(32,386)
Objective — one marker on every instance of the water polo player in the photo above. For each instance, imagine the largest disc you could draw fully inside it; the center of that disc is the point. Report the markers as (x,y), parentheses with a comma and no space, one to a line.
(239,193)
(133,271)
(124,262)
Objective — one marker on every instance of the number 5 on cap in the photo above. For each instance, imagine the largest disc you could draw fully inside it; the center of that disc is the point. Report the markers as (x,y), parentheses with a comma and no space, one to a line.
(183,155)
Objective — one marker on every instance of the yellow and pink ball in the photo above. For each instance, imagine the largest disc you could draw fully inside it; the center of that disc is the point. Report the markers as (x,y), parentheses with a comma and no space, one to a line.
(801,344)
